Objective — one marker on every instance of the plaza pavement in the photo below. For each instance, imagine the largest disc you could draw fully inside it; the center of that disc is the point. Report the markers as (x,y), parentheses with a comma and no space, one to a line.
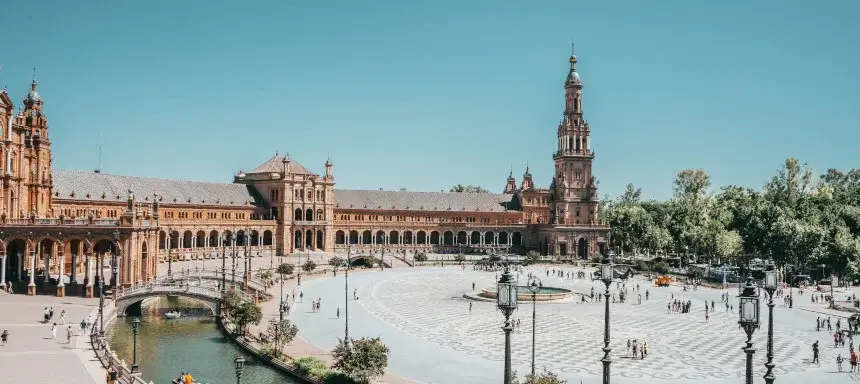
(421,315)
(31,356)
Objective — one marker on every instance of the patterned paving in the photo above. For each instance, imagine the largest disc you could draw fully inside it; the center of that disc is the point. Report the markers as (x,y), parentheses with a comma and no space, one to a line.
(569,336)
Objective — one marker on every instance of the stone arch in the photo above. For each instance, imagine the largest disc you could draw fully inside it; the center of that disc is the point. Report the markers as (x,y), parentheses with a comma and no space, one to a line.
(213,239)
(503,237)
(123,305)
(339,238)
(461,237)
(448,238)
(144,261)
(421,238)
(267,237)
(434,237)
(174,240)
(582,248)
(407,237)
(320,214)
(320,239)
(366,237)
(394,237)
(255,238)
(228,236)
(380,237)
(241,238)
(475,237)
(201,239)
(17,251)
(309,239)
(517,239)
(353,237)
(298,239)
(489,237)
(162,240)
(298,214)
(309,215)
(186,239)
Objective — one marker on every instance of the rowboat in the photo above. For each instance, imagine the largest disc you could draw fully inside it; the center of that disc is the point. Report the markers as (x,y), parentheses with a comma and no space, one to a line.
(173,315)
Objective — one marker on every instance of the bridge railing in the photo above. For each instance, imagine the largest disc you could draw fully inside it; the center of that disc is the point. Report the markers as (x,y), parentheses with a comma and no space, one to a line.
(182,286)
(255,283)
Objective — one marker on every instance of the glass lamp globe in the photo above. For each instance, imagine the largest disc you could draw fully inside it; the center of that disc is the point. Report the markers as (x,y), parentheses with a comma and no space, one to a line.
(749,310)
(770,280)
(606,272)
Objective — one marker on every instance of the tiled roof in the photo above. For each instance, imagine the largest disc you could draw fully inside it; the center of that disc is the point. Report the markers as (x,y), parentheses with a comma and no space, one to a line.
(276,164)
(421,201)
(91,186)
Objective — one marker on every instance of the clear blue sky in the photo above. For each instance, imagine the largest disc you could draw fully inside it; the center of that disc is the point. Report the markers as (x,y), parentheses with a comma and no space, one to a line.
(427,94)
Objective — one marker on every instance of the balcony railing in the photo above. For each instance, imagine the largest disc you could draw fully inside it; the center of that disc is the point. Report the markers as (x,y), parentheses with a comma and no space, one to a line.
(44,222)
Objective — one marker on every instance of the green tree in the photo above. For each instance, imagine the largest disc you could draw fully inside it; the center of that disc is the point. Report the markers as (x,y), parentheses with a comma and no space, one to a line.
(335,262)
(469,189)
(279,334)
(309,266)
(284,270)
(362,359)
(420,257)
(545,377)
(244,314)
(460,258)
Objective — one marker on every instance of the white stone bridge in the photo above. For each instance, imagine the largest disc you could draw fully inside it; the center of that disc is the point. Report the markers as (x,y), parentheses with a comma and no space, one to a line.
(204,290)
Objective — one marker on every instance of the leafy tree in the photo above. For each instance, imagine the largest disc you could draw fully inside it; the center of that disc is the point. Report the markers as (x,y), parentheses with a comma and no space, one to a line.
(284,270)
(532,257)
(309,266)
(460,258)
(335,262)
(420,257)
(362,359)
(312,367)
(229,300)
(279,334)
(244,314)
(468,189)
(545,377)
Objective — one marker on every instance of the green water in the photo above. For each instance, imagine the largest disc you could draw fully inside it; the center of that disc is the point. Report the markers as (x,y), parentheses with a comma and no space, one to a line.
(542,290)
(165,347)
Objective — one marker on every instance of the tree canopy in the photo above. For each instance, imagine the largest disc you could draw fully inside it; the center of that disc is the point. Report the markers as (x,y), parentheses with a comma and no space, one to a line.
(795,219)
(469,189)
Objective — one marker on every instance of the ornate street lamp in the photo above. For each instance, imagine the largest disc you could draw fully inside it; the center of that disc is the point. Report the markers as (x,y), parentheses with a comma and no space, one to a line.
(506,300)
(113,261)
(135,325)
(224,264)
(346,296)
(748,309)
(170,257)
(770,288)
(239,361)
(534,286)
(607,271)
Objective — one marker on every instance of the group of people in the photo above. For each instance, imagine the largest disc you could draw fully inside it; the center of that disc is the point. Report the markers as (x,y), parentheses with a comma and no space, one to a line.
(184,378)
(640,350)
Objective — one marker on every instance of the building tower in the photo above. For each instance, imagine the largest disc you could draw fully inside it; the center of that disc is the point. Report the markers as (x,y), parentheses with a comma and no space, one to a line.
(26,159)
(573,195)
(511,185)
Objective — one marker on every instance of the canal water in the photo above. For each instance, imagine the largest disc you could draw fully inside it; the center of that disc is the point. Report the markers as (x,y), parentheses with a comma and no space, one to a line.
(166,347)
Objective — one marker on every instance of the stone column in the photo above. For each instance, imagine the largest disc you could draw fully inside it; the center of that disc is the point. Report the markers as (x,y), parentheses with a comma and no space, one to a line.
(31,287)
(88,290)
(3,269)
(73,277)
(61,287)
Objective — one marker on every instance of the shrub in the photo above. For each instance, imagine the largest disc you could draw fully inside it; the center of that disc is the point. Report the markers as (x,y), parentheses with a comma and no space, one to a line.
(362,359)
(309,266)
(421,257)
(311,367)
(460,258)
(335,377)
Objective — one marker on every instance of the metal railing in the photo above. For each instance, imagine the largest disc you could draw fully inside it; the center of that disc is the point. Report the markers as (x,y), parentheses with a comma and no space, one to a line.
(165,286)
(254,283)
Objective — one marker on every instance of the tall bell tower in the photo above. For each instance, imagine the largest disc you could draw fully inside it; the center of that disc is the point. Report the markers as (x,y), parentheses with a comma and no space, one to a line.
(573,192)
(27,182)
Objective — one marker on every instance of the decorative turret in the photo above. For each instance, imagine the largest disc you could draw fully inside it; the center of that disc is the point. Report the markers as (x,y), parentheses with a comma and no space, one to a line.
(328,170)
(527,180)
(511,185)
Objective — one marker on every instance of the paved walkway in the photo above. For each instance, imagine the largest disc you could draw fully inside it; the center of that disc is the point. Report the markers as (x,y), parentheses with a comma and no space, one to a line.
(32,353)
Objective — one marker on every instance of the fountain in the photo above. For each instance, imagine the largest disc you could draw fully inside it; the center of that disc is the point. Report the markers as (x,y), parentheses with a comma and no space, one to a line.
(525,294)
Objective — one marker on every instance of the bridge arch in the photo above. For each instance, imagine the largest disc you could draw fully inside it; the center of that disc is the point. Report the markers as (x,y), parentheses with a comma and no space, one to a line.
(122,305)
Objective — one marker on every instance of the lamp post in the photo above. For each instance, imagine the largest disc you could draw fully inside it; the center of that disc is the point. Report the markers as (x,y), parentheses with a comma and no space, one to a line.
(135,325)
(506,300)
(102,299)
(606,276)
(748,309)
(770,288)
(169,256)
(224,264)
(534,286)
(299,268)
(346,297)
(113,261)
(239,361)
(233,262)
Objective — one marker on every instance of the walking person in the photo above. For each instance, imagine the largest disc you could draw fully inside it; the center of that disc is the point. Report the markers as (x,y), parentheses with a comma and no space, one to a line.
(4,337)
(338,312)
(839,362)
(69,335)
(54,331)
(9,287)
(853,360)
(815,352)
(470,307)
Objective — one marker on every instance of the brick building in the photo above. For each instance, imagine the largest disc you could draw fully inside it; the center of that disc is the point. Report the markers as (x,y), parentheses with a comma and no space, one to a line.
(64,224)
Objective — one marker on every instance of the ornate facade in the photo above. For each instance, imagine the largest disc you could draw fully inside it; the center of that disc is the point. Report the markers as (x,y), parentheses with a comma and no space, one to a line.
(62,225)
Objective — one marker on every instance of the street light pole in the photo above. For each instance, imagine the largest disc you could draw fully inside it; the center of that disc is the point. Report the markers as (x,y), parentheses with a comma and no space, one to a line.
(770,288)
(135,324)
(748,309)
(606,275)
(170,257)
(239,361)
(506,298)
(224,264)
(346,297)
(534,286)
